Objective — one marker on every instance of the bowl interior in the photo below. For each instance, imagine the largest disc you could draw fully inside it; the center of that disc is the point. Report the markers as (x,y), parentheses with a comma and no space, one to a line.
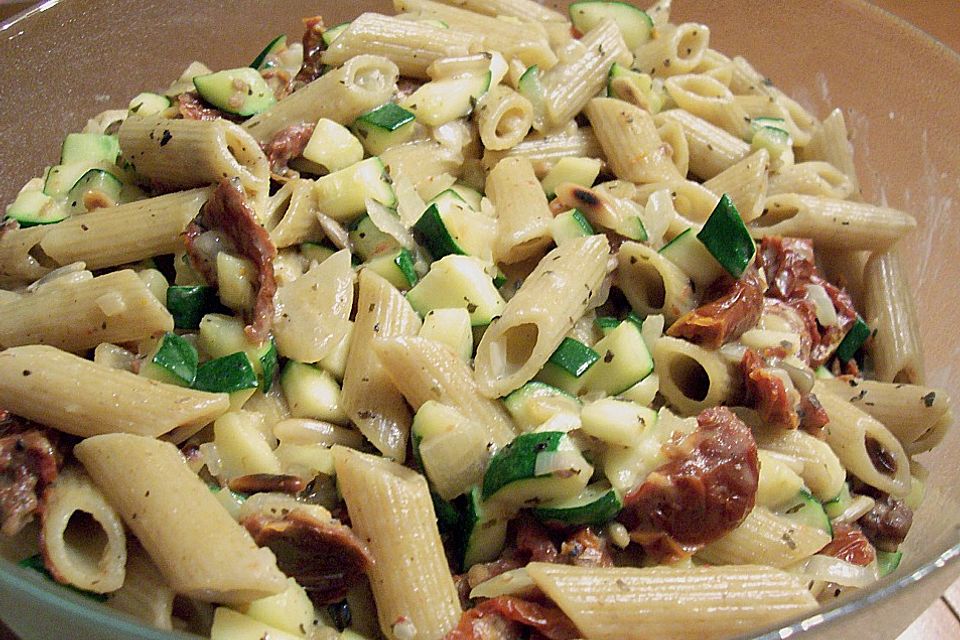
(70,60)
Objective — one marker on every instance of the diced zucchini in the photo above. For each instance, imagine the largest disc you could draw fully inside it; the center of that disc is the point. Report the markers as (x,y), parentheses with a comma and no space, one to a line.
(567,365)
(823,373)
(450,327)
(569,225)
(644,392)
(94,189)
(606,324)
(277,44)
(332,146)
(692,256)
(452,449)
(312,392)
(188,304)
(149,104)
(468,194)
(888,561)
(437,237)
(624,361)
(458,282)
(173,361)
(775,140)
(331,34)
(579,171)
(597,504)
(384,127)
(858,334)
(231,625)
(291,610)
(727,239)
(316,252)
(232,374)
(269,361)
(530,87)
(397,267)
(442,101)
(241,92)
(222,335)
(484,532)
(536,402)
(33,207)
(367,241)
(774,123)
(633,87)
(635,25)
(805,509)
(61,178)
(90,148)
(616,422)
(235,281)
(534,468)
(631,227)
(450,225)
(342,195)
(448,518)
(836,506)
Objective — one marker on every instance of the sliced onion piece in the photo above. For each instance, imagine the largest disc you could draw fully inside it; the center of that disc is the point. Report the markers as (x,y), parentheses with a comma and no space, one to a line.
(826,312)
(827,569)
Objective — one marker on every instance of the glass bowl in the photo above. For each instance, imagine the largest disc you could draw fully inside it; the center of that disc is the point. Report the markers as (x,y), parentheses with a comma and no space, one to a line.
(65,61)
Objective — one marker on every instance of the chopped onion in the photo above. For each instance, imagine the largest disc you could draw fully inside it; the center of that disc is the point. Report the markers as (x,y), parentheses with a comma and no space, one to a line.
(826,313)
(827,569)
(733,352)
(387,221)
(858,507)
(550,462)
(334,231)
(410,206)
(510,583)
(70,274)
(803,378)
(652,330)
(211,458)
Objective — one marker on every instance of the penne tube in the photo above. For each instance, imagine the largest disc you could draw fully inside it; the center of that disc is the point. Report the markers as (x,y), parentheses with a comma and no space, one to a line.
(812,178)
(866,448)
(630,141)
(523,9)
(712,149)
(652,284)
(116,307)
(182,154)
(888,303)
(425,370)
(342,95)
(412,46)
(86,553)
(514,39)
(821,471)
(124,234)
(837,224)
(909,411)
(830,142)
(745,183)
(672,135)
(368,397)
(85,399)
(145,595)
(568,87)
(766,538)
(708,98)
(199,548)
(746,80)
(291,215)
(699,603)
(504,118)
(18,264)
(692,378)
(421,160)
(677,49)
(544,152)
(523,214)
(391,510)
(544,309)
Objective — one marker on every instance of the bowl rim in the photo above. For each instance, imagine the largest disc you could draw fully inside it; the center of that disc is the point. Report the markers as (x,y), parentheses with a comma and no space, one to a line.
(52,595)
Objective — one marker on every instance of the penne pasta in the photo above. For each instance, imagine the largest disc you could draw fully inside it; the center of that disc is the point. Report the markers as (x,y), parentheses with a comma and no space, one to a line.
(692,378)
(652,284)
(630,141)
(523,214)
(766,538)
(712,150)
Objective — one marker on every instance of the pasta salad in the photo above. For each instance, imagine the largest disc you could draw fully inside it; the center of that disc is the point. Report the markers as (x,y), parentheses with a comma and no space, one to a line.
(479,320)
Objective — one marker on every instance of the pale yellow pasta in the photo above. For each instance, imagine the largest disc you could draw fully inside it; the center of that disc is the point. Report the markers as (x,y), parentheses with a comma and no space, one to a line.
(201,551)
(342,95)
(523,214)
(865,447)
(412,46)
(523,9)
(671,133)
(124,234)
(115,307)
(909,411)
(369,398)
(569,86)
(181,154)
(504,118)
(667,603)
(391,509)
(291,215)
(692,378)
(711,148)
(419,161)
(18,264)
(89,552)
(779,481)
(547,305)
(630,141)
(677,49)
(890,310)
(812,178)
(652,284)
(544,152)
(425,370)
(745,183)
(85,399)
(838,224)
(822,471)
(830,143)
(766,538)
(746,80)
(708,98)
(514,39)
(145,594)
(313,311)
